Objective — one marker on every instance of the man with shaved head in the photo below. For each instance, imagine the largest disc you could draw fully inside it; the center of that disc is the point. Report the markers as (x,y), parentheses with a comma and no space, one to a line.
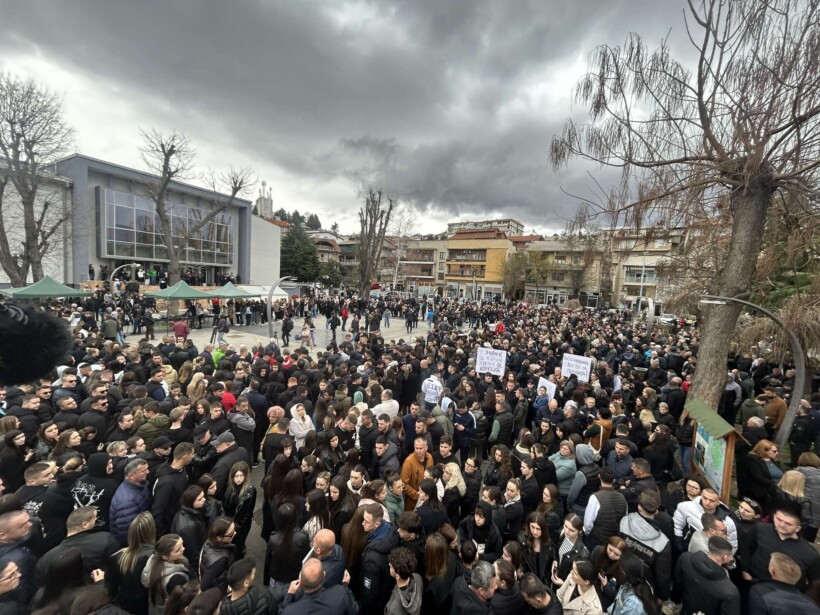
(331,556)
(309,595)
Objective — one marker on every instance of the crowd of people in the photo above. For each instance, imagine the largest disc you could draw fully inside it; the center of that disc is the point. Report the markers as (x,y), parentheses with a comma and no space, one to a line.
(394,478)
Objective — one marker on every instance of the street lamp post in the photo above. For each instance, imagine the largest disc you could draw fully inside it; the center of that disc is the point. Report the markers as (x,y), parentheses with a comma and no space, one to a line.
(270,303)
(640,292)
(797,353)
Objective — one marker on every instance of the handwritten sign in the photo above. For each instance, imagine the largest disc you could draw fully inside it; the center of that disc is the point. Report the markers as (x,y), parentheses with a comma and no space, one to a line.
(550,386)
(491,361)
(578,365)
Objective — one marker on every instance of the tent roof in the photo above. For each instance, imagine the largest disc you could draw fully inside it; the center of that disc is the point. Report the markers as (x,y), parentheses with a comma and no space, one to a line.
(262,291)
(711,421)
(47,287)
(229,291)
(180,290)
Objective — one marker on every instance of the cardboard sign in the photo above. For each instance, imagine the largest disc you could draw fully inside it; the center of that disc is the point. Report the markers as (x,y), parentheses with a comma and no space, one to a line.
(492,361)
(576,364)
(550,386)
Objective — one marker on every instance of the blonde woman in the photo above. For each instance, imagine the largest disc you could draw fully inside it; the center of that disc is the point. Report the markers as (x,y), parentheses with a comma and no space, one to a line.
(454,490)
(791,492)
(197,388)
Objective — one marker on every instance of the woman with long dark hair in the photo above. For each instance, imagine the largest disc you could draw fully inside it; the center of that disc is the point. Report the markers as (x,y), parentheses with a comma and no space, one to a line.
(330,454)
(606,559)
(190,523)
(507,599)
(499,471)
(569,548)
(439,574)
(66,579)
(430,510)
(47,437)
(213,507)
(578,595)
(536,546)
(217,554)
(129,562)
(67,446)
(342,503)
(635,595)
(290,492)
(166,562)
(14,459)
(240,500)
(287,547)
(271,486)
(318,513)
(552,507)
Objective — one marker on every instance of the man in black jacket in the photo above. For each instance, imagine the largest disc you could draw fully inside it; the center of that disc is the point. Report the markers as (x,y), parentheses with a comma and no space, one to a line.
(376,580)
(474,598)
(781,536)
(704,582)
(97,547)
(172,480)
(780,595)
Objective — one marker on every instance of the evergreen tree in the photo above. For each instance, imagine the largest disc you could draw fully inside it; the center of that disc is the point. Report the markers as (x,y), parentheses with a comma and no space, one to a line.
(281,214)
(295,215)
(300,258)
(313,222)
(330,274)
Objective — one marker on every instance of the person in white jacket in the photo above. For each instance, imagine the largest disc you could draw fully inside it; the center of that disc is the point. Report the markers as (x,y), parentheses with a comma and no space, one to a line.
(432,388)
(688,517)
(300,425)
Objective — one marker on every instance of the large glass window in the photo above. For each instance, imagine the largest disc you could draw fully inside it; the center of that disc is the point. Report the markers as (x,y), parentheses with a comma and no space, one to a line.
(132,229)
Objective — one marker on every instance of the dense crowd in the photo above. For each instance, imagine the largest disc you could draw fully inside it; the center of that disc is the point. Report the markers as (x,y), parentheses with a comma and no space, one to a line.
(393,477)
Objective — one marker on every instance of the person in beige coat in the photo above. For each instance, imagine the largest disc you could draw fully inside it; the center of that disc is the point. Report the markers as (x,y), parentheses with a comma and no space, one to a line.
(578,595)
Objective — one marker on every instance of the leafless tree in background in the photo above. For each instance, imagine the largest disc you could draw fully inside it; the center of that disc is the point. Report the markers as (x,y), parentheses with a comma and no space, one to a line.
(33,133)
(725,138)
(374,219)
(170,158)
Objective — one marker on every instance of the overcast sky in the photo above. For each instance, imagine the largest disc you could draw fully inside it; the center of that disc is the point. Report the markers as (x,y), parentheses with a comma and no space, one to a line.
(449,105)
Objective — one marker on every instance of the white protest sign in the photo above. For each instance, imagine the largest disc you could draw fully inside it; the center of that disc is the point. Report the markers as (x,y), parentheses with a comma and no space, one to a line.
(550,386)
(490,360)
(574,364)
(617,384)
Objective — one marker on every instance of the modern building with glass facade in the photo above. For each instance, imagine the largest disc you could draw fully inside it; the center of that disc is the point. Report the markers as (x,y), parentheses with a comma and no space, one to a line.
(114,222)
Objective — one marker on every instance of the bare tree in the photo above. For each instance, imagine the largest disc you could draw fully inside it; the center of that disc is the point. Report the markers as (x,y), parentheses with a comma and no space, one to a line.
(33,133)
(170,159)
(513,273)
(374,218)
(727,137)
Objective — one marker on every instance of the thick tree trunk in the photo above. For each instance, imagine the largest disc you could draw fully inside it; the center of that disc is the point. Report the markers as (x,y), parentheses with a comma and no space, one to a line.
(749,219)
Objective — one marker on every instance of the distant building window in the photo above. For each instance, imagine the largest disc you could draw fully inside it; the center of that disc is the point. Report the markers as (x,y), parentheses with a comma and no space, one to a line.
(560,258)
(557,277)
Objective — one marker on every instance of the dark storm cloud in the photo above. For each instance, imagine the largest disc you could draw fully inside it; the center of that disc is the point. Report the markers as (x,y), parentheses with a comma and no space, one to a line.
(447,105)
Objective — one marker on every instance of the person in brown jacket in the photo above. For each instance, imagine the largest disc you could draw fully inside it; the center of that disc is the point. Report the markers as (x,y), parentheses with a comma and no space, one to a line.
(775,409)
(412,472)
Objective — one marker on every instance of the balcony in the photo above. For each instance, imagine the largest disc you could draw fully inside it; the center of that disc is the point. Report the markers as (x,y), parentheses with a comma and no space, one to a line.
(457,272)
(467,258)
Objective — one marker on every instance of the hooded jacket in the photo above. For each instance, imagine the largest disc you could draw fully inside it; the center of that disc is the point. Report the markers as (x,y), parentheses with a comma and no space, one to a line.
(388,461)
(96,488)
(406,600)
(586,481)
(565,470)
(58,502)
(645,539)
(705,586)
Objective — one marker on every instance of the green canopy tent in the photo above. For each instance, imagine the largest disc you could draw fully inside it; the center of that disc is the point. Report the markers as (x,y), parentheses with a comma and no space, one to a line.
(180,290)
(229,291)
(47,287)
